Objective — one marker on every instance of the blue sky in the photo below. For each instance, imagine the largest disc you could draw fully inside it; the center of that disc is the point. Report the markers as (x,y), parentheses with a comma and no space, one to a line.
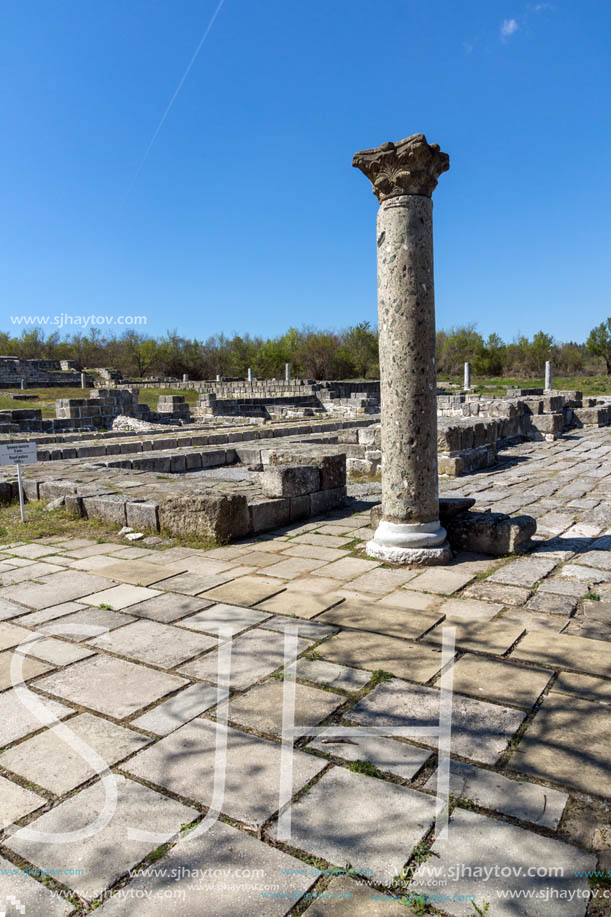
(245,215)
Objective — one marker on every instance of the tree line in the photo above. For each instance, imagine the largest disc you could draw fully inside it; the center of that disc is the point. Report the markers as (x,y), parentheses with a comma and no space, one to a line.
(351,353)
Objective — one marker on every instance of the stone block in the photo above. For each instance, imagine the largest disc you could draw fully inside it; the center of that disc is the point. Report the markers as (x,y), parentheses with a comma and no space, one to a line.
(109,508)
(325,500)
(290,480)
(491,533)
(300,508)
(268,514)
(143,515)
(207,515)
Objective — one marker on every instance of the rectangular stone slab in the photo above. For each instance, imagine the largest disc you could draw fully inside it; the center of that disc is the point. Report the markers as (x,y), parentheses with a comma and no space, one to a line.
(339,820)
(395,622)
(224,850)
(568,743)
(480,731)
(375,651)
(565,652)
(111,852)
(184,763)
(530,802)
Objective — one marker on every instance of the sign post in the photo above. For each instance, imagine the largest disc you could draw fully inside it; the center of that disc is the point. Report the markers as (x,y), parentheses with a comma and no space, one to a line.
(18,454)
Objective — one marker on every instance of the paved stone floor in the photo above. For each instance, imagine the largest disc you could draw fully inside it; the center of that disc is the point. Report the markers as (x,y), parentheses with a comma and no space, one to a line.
(107,758)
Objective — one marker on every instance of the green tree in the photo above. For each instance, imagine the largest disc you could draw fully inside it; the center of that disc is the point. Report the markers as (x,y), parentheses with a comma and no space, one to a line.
(599,343)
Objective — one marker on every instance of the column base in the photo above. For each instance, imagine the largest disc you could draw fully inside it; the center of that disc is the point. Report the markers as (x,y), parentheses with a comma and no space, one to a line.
(423,543)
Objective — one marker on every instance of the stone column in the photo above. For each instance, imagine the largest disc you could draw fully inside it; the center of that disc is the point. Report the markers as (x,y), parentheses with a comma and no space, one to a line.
(23,383)
(287,372)
(467,380)
(404,176)
(548,376)
(83,380)
(185,377)
(218,378)
(250,375)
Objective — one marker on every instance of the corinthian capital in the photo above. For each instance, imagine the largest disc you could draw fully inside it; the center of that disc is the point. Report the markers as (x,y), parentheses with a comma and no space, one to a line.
(410,166)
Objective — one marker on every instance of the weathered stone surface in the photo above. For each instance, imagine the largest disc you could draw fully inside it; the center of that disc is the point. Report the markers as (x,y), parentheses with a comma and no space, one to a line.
(246,590)
(475,840)
(49,762)
(106,855)
(584,686)
(118,597)
(331,674)
(168,607)
(561,652)
(555,746)
(499,680)
(227,852)
(261,707)
(180,709)
(496,592)
(290,480)
(375,651)
(218,616)
(396,622)
(339,820)
(483,636)
(15,802)
(387,755)
(79,624)
(184,763)
(16,720)
(523,572)
(491,533)
(158,644)
(549,603)
(471,609)
(480,730)
(36,899)
(530,802)
(345,898)
(253,655)
(218,517)
(93,683)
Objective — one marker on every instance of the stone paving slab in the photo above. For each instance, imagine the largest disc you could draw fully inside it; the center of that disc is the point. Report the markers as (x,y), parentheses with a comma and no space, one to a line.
(547,603)
(568,743)
(331,674)
(526,571)
(346,898)
(119,597)
(168,607)
(183,763)
(140,573)
(253,655)
(347,568)
(388,755)
(480,731)
(403,598)
(80,621)
(475,840)
(375,651)
(158,644)
(493,637)
(225,851)
(383,580)
(497,592)
(36,899)
(313,630)
(310,551)
(390,620)
(30,669)
(16,721)
(530,620)
(293,567)
(565,652)
(9,610)
(528,802)
(261,707)
(22,574)
(304,605)
(35,618)
(56,652)
(218,616)
(339,820)
(58,588)
(49,762)
(441,580)
(470,609)
(11,635)
(180,709)
(94,683)
(585,686)
(246,590)
(110,852)
(16,801)
(500,681)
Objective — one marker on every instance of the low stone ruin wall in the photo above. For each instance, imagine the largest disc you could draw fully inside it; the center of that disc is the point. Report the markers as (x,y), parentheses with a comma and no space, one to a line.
(38,373)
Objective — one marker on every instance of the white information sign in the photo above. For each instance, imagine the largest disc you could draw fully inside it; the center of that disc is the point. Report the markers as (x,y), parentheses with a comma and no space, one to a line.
(17,453)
